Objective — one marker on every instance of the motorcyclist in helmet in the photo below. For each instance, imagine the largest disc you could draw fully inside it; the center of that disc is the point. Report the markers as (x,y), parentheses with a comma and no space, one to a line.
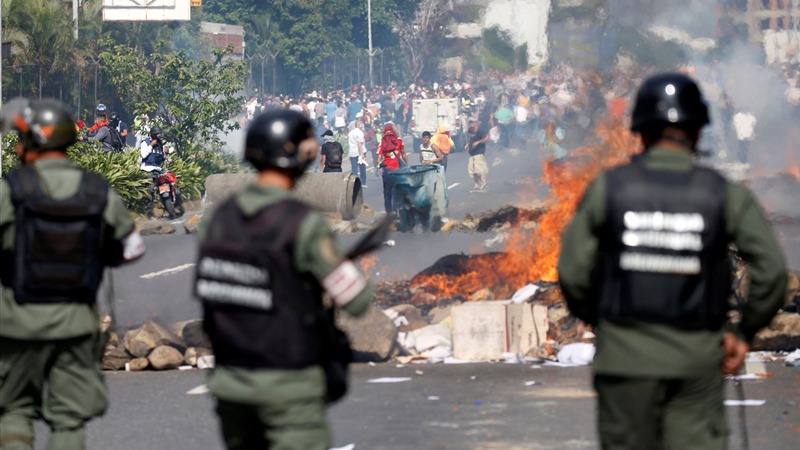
(291,245)
(153,156)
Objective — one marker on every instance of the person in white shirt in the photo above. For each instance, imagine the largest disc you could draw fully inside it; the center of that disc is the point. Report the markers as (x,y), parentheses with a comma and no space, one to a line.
(356,150)
(745,125)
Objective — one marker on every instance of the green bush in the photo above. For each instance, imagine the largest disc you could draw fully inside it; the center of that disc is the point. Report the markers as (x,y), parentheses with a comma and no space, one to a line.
(10,160)
(123,172)
(120,168)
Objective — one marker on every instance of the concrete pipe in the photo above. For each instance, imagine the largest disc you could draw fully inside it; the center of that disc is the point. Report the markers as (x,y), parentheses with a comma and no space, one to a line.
(328,192)
(332,192)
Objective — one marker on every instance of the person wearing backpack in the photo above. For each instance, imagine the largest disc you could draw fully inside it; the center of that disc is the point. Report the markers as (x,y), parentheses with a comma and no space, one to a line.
(60,227)
(268,275)
(117,139)
(332,153)
(106,134)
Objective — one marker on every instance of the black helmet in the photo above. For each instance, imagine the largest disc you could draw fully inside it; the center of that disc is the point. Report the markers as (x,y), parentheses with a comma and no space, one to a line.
(101,110)
(273,140)
(41,124)
(155,131)
(669,99)
(113,119)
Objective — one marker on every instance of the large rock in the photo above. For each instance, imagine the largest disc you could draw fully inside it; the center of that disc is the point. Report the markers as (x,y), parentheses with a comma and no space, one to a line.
(190,226)
(408,318)
(783,333)
(165,357)
(140,341)
(139,364)
(192,354)
(194,336)
(156,227)
(372,336)
(115,359)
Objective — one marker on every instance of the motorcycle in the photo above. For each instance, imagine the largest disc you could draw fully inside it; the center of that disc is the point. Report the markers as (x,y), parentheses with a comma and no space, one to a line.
(167,189)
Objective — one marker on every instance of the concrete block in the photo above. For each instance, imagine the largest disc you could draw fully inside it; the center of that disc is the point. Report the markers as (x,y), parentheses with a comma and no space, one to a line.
(526,327)
(479,330)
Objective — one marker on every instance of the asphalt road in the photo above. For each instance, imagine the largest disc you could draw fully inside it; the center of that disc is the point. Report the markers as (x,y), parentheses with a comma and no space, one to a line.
(159,285)
(442,408)
(467,406)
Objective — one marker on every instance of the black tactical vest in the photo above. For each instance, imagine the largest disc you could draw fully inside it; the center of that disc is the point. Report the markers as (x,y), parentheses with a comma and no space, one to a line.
(663,249)
(259,312)
(57,251)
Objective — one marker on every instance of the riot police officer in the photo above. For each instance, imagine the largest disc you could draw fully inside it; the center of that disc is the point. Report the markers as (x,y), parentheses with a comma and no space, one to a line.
(60,226)
(265,261)
(644,260)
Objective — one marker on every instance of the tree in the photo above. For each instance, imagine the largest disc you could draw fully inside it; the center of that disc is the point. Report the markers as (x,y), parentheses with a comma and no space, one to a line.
(195,98)
(37,27)
(418,34)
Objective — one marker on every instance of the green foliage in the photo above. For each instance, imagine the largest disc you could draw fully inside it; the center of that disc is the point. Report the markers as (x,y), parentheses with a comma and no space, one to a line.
(197,98)
(123,172)
(120,168)
(215,160)
(500,53)
(10,160)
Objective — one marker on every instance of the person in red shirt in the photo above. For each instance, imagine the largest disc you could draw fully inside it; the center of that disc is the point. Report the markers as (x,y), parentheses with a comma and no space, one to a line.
(390,153)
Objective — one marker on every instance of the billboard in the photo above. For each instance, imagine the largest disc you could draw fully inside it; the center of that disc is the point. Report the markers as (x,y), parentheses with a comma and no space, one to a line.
(146,10)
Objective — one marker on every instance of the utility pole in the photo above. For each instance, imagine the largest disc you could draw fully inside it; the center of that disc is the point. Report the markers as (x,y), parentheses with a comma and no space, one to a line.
(1,84)
(369,37)
(75,18)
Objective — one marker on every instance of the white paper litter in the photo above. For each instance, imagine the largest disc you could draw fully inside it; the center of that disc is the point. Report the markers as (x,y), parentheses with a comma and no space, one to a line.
(206,362)
(433,397)
(185,367)
(745,402)
(346,447)
(389,380)
(202,389)
(746,376)
(792,357)
(451,360)
(524,293)
(510,358)
(532,383)
(578,353)
(439,354)
(561,364)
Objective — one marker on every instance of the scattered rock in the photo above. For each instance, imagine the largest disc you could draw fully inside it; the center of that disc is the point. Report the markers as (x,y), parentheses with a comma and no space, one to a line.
(190,226)
(116,359)
(194,336)
(113,339)
(190,356)
(139,364)
(156,227)
(140,341)
(372,336)
(783,333)
(165,357)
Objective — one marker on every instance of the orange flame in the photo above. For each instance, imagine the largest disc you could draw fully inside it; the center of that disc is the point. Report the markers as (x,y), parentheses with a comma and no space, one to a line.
(532,257)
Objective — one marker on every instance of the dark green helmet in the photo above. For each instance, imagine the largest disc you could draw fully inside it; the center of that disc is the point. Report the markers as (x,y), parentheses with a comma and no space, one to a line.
(41,124)
(669,99)
(273,140)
